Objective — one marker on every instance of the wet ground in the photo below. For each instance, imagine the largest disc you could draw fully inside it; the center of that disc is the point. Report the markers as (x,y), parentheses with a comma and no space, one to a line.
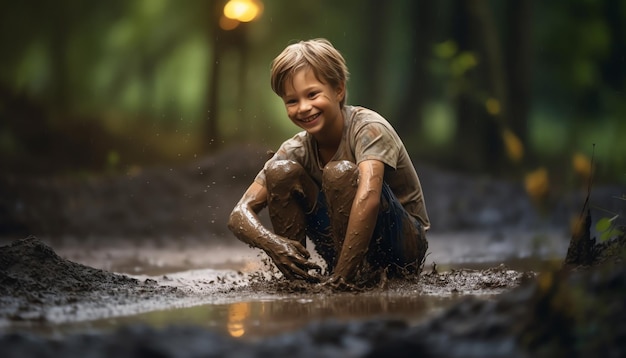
(55,307)
(231,289)
(123,259)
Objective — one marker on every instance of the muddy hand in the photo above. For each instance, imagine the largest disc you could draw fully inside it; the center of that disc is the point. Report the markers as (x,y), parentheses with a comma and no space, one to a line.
(292,259)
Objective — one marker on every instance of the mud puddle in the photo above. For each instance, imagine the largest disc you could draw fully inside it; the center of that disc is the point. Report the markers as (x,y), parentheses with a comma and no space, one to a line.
(261,317)
(231,290)
(240,305)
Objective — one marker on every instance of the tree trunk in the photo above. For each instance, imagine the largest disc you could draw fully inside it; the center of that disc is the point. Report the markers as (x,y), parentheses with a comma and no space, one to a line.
(518,65)
(408,116)
(374,50)
(482,24)
(212,138)
(471,119)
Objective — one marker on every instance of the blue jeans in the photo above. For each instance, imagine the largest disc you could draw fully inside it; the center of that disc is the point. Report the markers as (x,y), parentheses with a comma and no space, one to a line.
(388,239)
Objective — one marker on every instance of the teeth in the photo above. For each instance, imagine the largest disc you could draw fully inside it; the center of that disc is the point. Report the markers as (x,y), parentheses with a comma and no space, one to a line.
(308,119)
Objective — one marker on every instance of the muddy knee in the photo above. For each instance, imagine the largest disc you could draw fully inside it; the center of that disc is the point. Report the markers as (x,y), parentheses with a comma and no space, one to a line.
(282,171)
(287,178)
(340,175)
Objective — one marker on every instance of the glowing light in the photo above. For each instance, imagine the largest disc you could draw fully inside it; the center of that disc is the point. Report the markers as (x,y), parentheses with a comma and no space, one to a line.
(243,10)
(228,24)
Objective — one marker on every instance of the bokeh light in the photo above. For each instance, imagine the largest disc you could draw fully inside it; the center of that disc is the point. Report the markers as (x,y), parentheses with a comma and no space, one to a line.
(243,10)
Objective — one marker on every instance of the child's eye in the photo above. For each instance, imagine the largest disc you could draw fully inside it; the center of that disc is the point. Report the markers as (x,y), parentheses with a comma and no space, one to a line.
(313,94)
(290,101)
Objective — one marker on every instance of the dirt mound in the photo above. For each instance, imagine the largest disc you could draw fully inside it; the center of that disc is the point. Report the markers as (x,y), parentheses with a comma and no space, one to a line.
(33,279)
(28,268)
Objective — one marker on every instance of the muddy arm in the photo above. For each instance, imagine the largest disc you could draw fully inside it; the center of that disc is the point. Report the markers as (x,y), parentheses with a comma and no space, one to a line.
(289,256)
(244,221)
(362,220)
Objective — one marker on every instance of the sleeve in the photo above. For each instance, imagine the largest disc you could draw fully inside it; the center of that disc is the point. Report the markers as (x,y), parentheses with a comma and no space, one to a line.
(292,149)
(375,141)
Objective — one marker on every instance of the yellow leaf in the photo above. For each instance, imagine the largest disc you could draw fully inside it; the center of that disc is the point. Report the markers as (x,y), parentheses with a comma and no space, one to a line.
(545,281)
(537,184)
(581,164)
(493,106)
(514,146)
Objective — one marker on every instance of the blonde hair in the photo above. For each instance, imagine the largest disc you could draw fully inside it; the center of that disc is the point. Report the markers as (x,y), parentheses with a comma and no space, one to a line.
(319,55)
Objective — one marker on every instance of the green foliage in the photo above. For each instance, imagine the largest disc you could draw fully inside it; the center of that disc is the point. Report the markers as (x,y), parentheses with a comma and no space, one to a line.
(149,61)
(608,227)
(454,63)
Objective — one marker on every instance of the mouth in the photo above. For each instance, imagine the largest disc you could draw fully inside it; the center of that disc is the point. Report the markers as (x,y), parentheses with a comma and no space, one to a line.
(310,118)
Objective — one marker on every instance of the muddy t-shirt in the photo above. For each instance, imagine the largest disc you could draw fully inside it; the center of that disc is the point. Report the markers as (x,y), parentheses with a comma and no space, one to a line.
(366,135)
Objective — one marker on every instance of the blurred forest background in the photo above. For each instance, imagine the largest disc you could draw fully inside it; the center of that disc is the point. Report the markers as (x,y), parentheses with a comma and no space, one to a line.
(517,89)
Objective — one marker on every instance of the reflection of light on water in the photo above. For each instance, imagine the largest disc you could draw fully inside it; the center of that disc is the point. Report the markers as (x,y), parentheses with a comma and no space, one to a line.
(236,329)
(237,314)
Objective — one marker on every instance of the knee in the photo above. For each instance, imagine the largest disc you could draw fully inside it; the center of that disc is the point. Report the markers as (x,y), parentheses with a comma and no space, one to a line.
(338,174)
(282,170)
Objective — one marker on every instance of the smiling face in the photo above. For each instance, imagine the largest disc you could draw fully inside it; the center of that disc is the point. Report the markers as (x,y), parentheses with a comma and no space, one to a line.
(314,106)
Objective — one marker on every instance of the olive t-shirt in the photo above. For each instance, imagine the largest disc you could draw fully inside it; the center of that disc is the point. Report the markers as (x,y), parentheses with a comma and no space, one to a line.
(366,135)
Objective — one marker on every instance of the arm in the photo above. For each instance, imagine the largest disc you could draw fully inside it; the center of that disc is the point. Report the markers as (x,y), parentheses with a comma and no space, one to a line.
(361,223)
(289,256)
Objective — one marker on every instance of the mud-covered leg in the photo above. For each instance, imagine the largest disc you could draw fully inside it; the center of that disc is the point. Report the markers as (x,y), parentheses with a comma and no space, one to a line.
(414,245)
(340,181)
(292,193)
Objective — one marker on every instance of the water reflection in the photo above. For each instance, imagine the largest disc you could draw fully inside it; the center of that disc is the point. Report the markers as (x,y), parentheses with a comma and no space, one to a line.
(238,313)
(265,317)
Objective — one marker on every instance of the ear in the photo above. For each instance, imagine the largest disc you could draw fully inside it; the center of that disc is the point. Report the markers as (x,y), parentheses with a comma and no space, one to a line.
(340,92)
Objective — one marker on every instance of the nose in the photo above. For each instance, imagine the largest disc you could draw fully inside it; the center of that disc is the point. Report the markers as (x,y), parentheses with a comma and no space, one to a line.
(304,106)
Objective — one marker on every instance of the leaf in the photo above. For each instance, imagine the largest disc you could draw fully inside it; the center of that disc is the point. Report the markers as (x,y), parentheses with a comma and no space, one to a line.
(609,234)
(603,225)
(514,146)
(446,49)
(606,236)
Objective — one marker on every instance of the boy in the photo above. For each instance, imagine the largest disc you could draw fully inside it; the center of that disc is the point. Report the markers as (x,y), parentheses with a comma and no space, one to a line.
(345,181)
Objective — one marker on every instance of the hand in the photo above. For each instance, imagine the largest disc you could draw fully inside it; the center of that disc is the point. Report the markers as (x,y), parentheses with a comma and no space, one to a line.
(338,283)
(292,259)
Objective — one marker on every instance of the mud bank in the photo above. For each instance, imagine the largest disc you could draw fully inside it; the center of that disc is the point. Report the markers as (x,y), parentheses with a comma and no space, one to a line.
(556,314)
(38,285)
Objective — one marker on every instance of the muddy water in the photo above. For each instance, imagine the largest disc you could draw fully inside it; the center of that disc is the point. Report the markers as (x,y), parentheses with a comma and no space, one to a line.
(230,289)
(233,292)
(269,316)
